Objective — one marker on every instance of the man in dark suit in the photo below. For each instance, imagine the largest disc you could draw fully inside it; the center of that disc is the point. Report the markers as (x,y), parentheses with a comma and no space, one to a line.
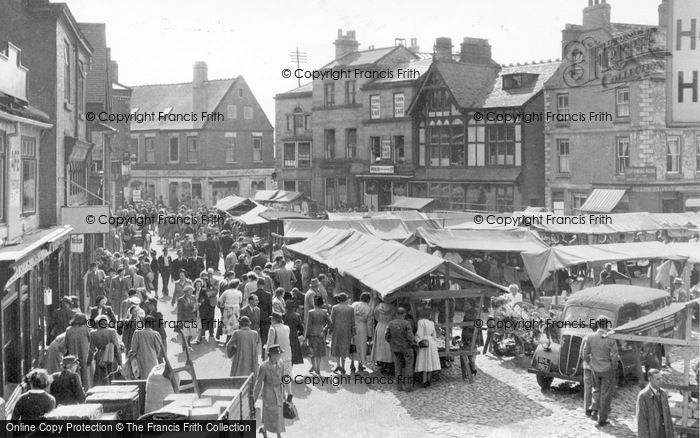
(252,311)
(67,388)
(155,269)
(212,252)
(195,265)
(61,317)
(653,412)
(165,263)
(265,306)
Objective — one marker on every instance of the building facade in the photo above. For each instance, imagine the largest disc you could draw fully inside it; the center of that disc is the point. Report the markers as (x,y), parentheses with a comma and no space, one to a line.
(206,139)
(120,158)
(412,132)
(33,260)
(627,157)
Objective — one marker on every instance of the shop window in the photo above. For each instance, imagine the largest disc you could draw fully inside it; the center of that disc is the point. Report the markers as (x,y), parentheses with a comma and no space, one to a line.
(504,198)
(418,190)
(673,154)
(577,200)
(29,175)
(448,196)
(563,155)
(623,154)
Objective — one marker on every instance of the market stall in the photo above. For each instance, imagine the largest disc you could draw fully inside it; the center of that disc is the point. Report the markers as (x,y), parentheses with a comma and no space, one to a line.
(541,264)
(408,203)
(679,316)
(396,272)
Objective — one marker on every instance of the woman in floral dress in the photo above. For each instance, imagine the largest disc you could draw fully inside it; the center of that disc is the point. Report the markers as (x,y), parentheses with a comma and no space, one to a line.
(230,302)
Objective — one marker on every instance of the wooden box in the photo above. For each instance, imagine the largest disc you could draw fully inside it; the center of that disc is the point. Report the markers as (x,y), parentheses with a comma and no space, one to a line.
(216,395)
(87,411)
(125,404)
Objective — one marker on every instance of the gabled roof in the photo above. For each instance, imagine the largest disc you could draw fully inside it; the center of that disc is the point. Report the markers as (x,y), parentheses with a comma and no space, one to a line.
(468,83)
(178,97)
(499,98)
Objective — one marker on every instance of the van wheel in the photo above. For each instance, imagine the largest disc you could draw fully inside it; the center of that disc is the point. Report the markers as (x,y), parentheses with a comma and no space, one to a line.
(545,382)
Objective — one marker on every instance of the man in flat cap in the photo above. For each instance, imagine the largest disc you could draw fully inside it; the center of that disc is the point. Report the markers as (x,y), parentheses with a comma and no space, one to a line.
(67,388)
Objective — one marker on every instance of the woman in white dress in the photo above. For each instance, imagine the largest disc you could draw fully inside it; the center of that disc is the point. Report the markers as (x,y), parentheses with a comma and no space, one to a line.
(381,350)
(363,329)
(428,359)
(230,302)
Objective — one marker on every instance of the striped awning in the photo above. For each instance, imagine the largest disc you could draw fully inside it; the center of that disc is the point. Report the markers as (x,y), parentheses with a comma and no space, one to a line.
(602,200)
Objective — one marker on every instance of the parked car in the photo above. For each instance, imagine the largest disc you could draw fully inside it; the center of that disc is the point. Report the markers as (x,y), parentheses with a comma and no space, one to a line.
(559,354)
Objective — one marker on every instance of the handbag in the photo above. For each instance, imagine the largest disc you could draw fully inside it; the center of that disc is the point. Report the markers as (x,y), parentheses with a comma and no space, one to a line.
(289,411)
(353,348)
(107,356)
(423,343)
(306,349)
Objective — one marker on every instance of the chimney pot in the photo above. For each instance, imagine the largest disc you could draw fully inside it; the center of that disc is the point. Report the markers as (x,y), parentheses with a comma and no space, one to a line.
(475,51)
(596,16)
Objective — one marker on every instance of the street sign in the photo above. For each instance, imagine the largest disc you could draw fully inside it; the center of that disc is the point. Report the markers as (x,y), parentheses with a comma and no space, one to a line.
(136,195)
(77,243)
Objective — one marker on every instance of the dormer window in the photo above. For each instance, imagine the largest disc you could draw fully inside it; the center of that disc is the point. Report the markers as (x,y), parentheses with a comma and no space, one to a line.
(514,81)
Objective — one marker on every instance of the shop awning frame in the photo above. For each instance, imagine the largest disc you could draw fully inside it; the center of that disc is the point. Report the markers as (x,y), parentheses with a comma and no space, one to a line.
(602,200)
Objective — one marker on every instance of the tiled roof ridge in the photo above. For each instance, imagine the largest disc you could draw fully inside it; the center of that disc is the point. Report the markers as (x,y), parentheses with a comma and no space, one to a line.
(180,83)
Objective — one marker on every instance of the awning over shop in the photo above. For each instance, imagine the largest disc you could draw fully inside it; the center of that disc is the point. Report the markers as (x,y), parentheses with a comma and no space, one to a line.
(518,240)
(384,266)
(541,264)
(408,203)
(17,260)
(77,150)
(602,200)
(385,229)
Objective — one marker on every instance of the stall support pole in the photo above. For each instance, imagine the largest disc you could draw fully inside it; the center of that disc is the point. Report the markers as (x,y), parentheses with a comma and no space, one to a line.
(448,320)
(686,365)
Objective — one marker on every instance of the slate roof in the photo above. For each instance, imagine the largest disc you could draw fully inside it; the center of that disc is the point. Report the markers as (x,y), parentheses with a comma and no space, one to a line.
(498,97)
(306,88)
(422,65)
(470,84)
(156,98)
(363,57)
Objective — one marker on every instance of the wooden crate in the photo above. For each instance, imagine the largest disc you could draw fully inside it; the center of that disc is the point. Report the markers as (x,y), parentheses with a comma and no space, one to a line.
(86,411)
(125,404)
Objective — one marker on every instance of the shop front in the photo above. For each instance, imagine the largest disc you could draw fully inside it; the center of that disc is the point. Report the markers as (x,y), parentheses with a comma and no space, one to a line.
(34,274)
(381,186)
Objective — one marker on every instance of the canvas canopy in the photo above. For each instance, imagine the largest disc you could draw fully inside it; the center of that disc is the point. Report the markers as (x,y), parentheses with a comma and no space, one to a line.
(384,266)
(386,229)
(408,203)
(541,264)
(663,317)
(253,216)
(618,223)
(401,214)
(281,196)
(231,203)
(517,240)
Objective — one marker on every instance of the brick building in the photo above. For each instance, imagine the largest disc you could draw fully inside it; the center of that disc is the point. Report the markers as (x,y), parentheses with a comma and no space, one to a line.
(120,158)
(632,160)
(179,158)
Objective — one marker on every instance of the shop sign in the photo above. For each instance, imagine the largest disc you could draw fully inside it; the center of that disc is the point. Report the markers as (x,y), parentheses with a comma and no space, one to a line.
(136,195)
(389,169)
(77,243)
(684,73)
(27,265)
(640,173)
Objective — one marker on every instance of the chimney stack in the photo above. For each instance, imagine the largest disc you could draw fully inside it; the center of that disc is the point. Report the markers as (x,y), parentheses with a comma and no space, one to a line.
(663,13)
(200,74)
(442,51)
(571,32)
(115,71)
(414,47)
(475,51)
(596,15)
(345,43)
